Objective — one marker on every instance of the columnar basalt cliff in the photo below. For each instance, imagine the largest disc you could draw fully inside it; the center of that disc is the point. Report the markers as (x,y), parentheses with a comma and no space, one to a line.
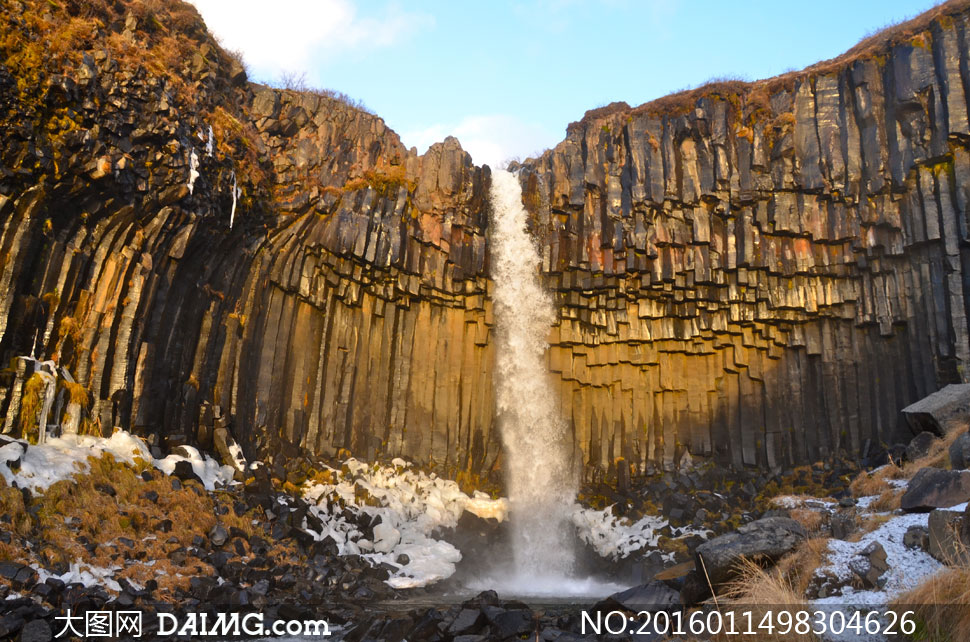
(764,273)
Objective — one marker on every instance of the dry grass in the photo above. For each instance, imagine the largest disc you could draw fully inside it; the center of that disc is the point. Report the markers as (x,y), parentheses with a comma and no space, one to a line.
(811,520)
(799,566)
(867,525)
(759,591)
(942,601)
(123,526)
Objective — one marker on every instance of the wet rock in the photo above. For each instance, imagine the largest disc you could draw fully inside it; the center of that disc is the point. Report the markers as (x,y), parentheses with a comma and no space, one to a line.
(935,488)
(768,538)
(654,596)
(468,620)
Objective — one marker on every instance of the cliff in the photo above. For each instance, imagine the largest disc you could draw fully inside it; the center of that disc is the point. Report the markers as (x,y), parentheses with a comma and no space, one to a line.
(764,273)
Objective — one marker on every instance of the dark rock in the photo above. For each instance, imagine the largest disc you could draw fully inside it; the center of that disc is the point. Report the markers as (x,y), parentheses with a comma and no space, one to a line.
(935,488)
(917,537)
(870,565)
(919,446)
(467,621)
(768,539)
(507,623)
(218,535)
(184,472)
(107,489)
(960,452)
(655,596)
(843,524)
(945,541)
(940,411)
(36,631)
(150,495)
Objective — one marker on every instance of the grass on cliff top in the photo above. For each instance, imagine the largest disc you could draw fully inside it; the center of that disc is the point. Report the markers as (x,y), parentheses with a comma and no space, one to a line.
(755,95)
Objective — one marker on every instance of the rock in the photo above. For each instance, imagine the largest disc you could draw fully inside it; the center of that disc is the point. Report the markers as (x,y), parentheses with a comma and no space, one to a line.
(654,596)
(941,411)
(960,452)
(870,565)
(36,631)
(945,541)
(184,472)
(843,524)
(507,623)
(467,621)
(218,535)
(150,495)
(919,446)
(917,537)
(767,538)
(935,488)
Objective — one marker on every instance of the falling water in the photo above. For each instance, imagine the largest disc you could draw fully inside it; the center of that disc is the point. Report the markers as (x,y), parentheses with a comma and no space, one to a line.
(539,468)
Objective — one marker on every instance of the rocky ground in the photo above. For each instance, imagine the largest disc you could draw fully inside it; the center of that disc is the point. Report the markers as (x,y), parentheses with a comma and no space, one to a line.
(91,524)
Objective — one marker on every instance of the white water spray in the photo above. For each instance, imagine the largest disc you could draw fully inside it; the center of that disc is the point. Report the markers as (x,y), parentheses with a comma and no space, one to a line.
(539,465)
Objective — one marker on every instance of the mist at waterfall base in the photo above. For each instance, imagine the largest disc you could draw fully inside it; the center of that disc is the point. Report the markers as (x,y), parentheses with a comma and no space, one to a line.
(540,470)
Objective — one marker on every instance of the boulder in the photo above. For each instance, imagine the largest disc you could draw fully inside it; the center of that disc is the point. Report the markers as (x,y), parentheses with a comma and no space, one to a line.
(945,542)
(655,596)
(917,537)
(941,411)
(870,566)
(935,488)
(843,524)
(919,446)
(960,452)
(765,539)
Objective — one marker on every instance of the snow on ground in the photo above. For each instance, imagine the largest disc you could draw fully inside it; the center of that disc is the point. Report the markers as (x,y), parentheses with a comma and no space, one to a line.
(907,567)
(86,574)
(412,504)
(41,465)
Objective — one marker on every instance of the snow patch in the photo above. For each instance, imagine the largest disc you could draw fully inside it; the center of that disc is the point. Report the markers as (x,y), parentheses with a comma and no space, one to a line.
(907,567)
(59,458)
(616,537)
(411,505)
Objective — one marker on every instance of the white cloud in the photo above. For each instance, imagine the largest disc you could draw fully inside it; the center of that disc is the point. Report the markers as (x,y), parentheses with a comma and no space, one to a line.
(490,139)
(286,35)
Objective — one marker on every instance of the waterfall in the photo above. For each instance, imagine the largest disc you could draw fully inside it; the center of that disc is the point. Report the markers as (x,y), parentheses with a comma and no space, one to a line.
(538,460)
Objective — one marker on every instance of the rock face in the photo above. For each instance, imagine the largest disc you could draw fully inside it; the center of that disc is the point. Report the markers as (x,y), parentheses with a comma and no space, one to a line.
(760,273)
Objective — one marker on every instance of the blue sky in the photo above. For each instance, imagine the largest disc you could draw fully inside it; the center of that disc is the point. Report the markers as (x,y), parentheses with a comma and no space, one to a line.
(507,77)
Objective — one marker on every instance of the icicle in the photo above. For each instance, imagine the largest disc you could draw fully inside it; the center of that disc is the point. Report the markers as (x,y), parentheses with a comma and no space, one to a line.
(33,347)
(210,143)
(193,170)
(235,194)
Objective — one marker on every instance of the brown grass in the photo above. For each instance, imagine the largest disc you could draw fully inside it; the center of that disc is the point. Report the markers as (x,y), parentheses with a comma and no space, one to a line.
(811,520)
(799,566)
(761,590)
(103,519)
(942,601)
(752,98)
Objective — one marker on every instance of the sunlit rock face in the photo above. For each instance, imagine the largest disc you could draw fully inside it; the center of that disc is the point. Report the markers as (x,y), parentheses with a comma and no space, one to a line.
(763,274)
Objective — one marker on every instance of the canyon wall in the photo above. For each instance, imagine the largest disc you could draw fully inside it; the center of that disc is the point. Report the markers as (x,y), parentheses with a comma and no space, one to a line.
(763,273)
